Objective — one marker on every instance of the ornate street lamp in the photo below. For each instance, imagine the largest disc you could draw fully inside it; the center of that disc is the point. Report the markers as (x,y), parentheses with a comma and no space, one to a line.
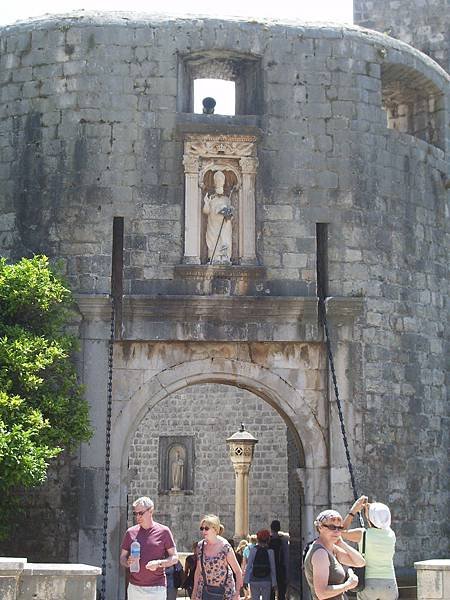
(241,446)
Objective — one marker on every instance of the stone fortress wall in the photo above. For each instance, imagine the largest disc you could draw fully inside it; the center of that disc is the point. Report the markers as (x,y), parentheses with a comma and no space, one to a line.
(93,113)
(424,25)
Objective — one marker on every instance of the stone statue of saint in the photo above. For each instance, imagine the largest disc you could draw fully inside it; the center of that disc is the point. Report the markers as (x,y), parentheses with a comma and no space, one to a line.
(177,472)
(218,230)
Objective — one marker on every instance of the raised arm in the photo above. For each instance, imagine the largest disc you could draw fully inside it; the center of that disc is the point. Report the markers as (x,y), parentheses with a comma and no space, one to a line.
(347,555)
(357,507)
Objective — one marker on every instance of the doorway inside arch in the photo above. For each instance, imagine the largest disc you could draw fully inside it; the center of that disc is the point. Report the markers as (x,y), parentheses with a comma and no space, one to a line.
(179,457)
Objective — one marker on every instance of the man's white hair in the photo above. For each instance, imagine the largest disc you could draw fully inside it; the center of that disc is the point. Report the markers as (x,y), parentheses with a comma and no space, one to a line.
(144,501)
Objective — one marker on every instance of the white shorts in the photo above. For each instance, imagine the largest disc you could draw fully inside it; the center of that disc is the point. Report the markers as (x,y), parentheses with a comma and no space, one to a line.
(139,592)
(379,589)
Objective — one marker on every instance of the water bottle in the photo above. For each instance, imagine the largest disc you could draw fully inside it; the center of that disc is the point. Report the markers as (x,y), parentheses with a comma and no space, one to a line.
(135,553)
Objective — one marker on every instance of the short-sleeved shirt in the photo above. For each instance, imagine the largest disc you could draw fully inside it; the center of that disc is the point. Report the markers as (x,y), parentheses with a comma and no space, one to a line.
(154,542)
(246,551)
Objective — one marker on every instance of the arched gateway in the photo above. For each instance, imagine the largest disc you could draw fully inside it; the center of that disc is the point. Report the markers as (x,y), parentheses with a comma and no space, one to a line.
(307,433)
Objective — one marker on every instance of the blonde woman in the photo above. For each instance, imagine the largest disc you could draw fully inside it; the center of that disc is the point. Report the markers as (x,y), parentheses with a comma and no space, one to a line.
(325,558)
(239,551)
(216,562)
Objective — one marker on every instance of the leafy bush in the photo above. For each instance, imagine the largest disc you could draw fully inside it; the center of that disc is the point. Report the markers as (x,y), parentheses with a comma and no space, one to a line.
(42,408)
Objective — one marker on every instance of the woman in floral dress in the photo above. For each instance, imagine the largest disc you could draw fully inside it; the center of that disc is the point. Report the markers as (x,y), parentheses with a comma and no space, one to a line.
(218,561)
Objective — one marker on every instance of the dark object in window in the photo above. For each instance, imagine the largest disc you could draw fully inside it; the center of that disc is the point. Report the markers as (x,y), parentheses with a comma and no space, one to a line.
(208,105)
(243,69)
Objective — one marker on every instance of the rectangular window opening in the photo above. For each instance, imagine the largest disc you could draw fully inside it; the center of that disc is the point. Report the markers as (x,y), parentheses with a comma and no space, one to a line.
(214,96)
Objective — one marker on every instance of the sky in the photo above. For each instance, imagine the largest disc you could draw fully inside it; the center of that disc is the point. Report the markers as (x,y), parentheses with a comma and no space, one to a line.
(304,10)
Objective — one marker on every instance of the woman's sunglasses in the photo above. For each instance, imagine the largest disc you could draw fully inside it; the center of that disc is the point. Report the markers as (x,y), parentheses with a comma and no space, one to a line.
(334,527)
(205,528)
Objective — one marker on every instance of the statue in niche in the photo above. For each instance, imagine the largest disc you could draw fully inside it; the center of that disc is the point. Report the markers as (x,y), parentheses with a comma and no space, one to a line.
(176,470)
(219,234)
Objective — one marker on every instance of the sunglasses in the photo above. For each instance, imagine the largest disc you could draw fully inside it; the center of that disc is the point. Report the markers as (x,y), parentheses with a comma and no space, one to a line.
(334,527)
(205,528)
(139,513)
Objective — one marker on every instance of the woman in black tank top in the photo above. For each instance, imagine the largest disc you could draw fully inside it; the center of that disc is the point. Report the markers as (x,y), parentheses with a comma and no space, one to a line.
(324,572)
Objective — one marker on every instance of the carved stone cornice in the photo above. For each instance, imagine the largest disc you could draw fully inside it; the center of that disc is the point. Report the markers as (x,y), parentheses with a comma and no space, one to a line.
(190,163)
(223,146)
(248,164)
(224,318)
(94,306)
(226,309)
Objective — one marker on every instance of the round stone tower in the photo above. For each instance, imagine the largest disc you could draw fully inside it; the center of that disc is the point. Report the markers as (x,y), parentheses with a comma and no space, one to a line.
(334,172)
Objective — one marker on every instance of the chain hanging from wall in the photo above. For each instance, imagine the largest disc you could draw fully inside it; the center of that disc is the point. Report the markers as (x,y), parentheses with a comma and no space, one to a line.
(324,322)
(107,450)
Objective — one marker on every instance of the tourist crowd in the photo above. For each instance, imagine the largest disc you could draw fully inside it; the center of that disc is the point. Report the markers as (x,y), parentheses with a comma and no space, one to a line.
(258,567)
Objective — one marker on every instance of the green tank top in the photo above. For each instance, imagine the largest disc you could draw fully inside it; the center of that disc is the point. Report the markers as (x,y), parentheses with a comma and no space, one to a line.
(380,548)
(336,573)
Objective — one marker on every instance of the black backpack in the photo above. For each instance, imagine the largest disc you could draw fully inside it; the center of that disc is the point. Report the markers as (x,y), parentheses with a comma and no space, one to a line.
(261,564)
(306,550)
(178,576)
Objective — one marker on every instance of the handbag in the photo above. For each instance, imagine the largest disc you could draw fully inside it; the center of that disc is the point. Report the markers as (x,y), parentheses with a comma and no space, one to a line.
(361,571)
(212,592)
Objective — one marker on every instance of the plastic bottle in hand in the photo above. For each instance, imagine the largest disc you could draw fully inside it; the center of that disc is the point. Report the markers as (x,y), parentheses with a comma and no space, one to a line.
(135,554)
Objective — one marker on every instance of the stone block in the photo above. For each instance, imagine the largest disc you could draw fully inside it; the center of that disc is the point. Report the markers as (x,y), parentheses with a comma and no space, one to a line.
(433,579)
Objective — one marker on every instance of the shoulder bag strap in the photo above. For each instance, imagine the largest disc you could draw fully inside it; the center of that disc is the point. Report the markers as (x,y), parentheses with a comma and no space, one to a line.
(363,549)
(202,565)
(227,566)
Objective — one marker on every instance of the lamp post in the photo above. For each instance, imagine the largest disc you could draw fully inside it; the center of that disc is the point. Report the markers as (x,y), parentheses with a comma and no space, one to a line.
(241,446)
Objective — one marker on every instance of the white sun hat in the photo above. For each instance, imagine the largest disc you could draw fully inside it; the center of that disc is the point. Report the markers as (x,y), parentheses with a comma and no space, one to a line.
(380,515)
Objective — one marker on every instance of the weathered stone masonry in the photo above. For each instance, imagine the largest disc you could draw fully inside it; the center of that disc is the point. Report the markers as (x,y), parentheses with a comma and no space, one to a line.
(424,25)
(93,114)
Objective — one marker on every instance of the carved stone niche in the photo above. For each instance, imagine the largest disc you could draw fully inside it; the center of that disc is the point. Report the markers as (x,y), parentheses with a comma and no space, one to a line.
(220,172)
(176,464)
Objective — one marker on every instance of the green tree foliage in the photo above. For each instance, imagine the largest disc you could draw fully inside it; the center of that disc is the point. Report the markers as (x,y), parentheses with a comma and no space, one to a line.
(42,408)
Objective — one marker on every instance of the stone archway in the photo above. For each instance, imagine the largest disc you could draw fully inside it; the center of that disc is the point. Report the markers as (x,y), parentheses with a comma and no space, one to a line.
(287,400)
(271,387)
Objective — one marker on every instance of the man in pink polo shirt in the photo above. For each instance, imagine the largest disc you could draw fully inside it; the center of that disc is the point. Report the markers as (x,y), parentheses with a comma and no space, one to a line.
(157,552)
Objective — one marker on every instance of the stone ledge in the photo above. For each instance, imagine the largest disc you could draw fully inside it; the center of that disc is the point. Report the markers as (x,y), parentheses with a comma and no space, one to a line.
(216,318)
(11,567)
(197,123)
(58,569)
(435,564)
(98,306)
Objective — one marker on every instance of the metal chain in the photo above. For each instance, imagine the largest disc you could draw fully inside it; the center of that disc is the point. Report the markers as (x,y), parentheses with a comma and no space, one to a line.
(107,451)
(323,319)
